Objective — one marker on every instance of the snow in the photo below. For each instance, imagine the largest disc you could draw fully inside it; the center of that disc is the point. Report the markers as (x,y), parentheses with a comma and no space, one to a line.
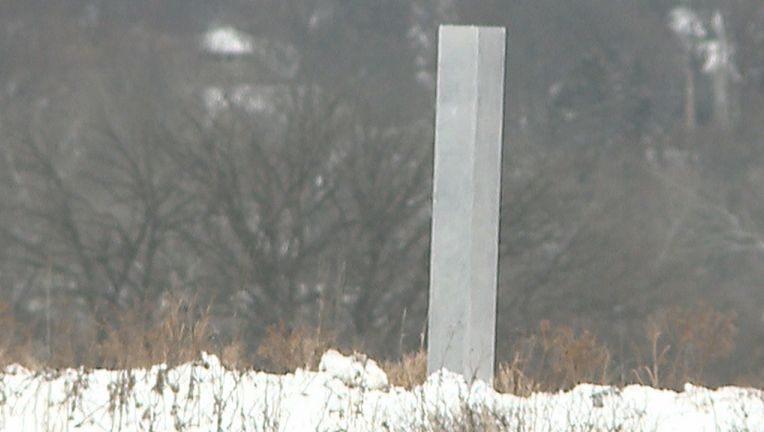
(348,393)
(252,99)
(686,23)
(711,46)
(217,99)
(715,57)
(353,371)
(280,58)
(227,41)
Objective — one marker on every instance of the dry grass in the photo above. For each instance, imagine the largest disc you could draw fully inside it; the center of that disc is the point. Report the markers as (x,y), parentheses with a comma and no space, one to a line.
(680,344)
(174,334)
(16,344)
(284,349)
(408,372)
(512,378)
(554,358)
(574,357)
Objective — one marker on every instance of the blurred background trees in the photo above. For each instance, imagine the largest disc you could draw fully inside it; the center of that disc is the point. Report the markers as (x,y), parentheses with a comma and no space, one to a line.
(273,159)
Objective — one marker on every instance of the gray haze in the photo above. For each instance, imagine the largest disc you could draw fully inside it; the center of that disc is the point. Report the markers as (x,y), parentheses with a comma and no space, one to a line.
(273,158)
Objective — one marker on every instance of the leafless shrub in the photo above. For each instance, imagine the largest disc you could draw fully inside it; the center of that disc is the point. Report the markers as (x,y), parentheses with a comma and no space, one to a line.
(683,343)
(554,358)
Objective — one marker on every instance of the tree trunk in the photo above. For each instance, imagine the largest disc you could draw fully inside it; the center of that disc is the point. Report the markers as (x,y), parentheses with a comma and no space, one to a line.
(689,95)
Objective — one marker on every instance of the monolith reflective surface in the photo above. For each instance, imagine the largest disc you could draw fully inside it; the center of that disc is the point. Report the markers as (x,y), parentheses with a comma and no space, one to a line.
(466,196)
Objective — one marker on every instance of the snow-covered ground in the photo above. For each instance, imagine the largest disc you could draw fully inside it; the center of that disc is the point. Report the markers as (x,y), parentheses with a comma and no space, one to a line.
(347,394)
(227,41)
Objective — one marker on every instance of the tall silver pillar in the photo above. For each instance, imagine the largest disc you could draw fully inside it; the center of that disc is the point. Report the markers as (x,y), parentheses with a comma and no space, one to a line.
(466,195)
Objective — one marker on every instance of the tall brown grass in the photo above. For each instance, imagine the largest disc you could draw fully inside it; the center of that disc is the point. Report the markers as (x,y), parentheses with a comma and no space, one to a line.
(679,344)
(409,371)
(554,357)
(285,349)
(16,340)
(173,333)
(683,342)
(145,334)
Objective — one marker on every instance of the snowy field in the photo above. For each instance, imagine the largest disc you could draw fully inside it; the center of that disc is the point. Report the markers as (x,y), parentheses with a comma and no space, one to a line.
(348,394)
